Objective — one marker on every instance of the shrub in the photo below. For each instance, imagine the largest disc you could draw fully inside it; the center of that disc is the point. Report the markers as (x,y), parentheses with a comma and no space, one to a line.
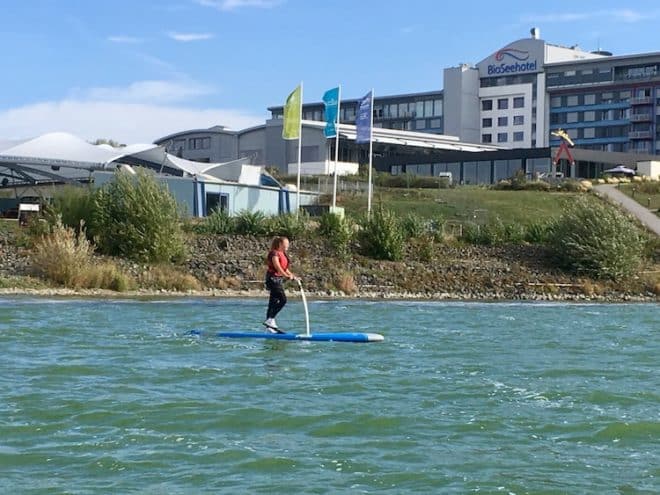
(74,205)
(538,232)
(494,232)
(218,222)
(136,217)
(337,230)
(598,240)
(290,225)
(381,236)
(62,256)
(414,226)
(251,223)
(345,282)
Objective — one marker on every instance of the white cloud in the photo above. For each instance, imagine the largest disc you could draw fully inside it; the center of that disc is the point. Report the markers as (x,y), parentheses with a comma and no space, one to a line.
(617,15)
(131,40)
(187,37)
(146,92)
(124,122)
(140,112)
(239,4)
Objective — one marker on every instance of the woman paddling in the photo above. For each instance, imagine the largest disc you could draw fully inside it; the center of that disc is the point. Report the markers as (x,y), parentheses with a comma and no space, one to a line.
(278,271)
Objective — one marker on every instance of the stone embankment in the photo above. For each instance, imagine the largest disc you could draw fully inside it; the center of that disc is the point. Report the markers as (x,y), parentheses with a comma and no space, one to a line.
(234,266)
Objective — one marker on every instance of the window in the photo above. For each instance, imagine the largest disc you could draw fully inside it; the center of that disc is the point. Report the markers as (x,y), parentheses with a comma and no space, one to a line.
(436,123)
(199,143)
(589,132)
(571,117)
(572,101)
(437,108)
(486,138)
(419,109)
(502,103)
(518,136)
(555,101)
(518,119)
(518,102)
(487,122)
(420,124)
(502,121)
(589,99)
(589,116)
(428,108)
(486,104)
(502,137)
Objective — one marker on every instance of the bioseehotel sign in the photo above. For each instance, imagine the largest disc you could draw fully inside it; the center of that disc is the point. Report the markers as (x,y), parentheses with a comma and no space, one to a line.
(512,60)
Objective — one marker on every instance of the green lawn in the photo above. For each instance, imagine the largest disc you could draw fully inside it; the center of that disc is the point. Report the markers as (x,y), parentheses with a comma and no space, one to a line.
(464,203)
(646,194)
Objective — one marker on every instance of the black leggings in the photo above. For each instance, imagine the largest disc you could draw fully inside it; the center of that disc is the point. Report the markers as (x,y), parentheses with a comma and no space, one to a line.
(277,296)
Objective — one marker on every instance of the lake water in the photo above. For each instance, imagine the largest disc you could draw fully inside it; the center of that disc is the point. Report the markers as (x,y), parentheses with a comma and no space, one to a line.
(117,397)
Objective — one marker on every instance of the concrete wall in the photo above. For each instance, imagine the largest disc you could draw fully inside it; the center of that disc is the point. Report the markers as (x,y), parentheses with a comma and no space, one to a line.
(461,103)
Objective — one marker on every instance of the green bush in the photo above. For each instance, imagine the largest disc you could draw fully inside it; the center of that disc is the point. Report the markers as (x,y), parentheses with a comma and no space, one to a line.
(251,223)
(290,225)
(73,205)
(218,222)
(538,232)
(136,217)
(337,230)
(598,240)
(382,236)
(414,226)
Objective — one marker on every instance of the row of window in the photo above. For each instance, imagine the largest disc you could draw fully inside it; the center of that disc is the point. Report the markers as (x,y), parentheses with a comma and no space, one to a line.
(190,144)
(503,103)
(616,131)
(590,99)
(413,109)
(503,137)
(488,82)
(590,116)
(503,121)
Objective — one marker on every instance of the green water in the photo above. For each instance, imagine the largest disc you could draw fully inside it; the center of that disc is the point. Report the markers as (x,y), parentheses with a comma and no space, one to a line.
(115,397)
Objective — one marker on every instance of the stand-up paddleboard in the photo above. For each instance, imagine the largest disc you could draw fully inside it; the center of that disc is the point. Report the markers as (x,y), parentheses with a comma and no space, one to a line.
(307,336)
(314,337)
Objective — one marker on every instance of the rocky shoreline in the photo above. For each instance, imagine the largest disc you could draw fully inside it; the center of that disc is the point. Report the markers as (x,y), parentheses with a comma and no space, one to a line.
(233,266)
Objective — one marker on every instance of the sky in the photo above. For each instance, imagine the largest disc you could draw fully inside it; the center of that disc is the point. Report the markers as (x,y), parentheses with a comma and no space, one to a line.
(137,70)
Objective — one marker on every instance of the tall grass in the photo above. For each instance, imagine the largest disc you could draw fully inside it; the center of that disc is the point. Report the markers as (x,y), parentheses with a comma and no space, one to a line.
(65,258)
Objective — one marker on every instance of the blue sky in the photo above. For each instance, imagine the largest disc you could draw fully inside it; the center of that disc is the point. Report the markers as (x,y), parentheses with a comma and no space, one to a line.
(134,70)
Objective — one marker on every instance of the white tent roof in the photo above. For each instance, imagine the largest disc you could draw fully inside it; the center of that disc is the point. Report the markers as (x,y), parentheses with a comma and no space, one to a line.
(62,156)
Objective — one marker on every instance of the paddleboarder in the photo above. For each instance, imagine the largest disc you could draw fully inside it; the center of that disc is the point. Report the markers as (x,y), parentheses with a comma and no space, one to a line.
(278,271)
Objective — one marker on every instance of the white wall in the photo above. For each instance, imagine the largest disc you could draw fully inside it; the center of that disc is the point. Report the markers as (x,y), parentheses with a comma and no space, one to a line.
(508,92)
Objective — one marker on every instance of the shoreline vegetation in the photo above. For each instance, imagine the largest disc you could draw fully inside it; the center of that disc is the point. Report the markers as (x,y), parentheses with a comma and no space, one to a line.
(516,241)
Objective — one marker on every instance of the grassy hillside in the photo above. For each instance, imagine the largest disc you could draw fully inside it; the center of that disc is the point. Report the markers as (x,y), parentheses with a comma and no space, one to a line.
(465,203)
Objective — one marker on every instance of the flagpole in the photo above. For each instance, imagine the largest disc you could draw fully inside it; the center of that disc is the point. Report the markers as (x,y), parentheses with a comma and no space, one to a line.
(371,149)
(337,120)
(299,151)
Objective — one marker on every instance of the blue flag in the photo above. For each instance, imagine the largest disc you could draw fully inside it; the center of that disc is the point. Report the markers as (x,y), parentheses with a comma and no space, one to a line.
(331,102)
(363,119)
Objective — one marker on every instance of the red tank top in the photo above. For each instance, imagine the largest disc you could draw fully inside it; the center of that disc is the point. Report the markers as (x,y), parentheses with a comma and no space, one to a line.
(283,259)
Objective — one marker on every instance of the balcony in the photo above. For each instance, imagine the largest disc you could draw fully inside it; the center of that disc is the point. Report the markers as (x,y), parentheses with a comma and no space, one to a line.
(641,117)
(639,135)
(641,149)
(641,100)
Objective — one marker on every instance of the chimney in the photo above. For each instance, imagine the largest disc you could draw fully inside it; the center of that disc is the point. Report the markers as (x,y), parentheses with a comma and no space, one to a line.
(535,32)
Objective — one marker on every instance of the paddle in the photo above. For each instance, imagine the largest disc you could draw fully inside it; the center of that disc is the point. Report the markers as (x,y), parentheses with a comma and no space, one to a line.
(304,299)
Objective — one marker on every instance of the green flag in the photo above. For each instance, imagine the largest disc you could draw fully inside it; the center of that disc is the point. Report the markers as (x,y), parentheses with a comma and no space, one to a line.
(292,108)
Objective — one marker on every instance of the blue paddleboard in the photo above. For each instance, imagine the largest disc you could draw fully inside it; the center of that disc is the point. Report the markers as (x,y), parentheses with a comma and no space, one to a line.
(314,337)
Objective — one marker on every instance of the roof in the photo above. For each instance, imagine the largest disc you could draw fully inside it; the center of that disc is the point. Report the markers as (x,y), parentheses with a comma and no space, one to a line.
(409,138)
(62,157)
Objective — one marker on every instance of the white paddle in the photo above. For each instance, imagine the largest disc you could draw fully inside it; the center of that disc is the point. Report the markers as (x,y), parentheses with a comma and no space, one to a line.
(304,299)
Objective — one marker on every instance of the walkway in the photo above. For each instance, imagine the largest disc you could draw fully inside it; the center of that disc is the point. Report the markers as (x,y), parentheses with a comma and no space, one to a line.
(650,220)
